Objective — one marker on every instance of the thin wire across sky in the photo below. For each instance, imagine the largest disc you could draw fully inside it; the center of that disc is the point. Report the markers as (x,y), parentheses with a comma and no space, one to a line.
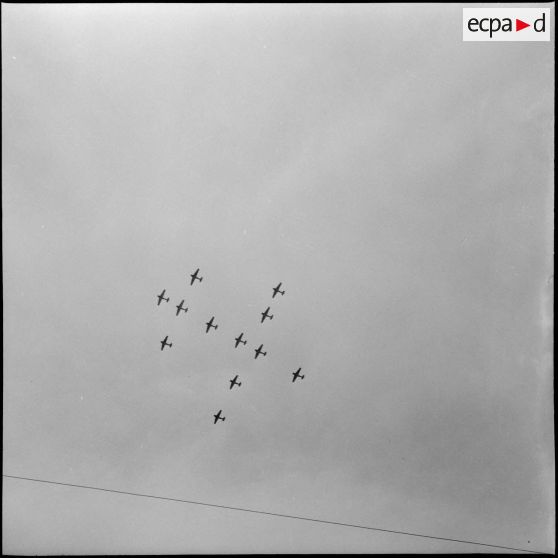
(261,512)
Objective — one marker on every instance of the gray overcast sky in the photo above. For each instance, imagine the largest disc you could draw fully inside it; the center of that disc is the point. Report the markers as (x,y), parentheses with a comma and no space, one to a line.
(397,180)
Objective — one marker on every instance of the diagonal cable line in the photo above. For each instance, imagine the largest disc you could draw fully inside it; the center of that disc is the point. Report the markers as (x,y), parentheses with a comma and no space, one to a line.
(261,512)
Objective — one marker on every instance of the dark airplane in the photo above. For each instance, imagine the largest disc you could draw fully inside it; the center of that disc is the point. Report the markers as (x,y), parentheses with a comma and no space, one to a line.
(161,297)
(297,374)
(164,343)
(218,417)
(259,351)
(266,314)
(239,340)
(210,325)
(180,307)
(277,290)
(233,382)
(195,276)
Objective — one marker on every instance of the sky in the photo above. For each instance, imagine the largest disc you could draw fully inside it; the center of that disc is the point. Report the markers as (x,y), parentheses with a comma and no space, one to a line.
(399,183)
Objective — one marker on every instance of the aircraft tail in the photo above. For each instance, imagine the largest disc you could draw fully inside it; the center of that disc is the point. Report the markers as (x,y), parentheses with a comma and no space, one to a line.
(170,344)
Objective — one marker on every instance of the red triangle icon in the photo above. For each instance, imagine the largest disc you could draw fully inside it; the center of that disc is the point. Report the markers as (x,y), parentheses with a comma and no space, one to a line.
(519,25)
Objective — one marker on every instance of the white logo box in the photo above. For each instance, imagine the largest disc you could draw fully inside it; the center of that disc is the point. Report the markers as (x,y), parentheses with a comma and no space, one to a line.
(492,24)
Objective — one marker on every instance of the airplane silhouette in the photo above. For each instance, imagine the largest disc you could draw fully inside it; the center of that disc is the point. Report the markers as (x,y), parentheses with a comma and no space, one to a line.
(277,290)
(259,351)
(218,417)
(297,374)
(210,325)
(161,297)
(164,343)
(266,314)
(239,340)
(194,276)
(233,382)
(181,307)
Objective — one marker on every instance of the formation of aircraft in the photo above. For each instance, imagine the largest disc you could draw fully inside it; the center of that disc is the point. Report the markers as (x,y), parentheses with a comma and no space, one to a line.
(218,417)
(259,351)
(161,297)
(277,290)
(210,325)
(239,340)
(180,307)
(195,277)
(233,382)
(266,314)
